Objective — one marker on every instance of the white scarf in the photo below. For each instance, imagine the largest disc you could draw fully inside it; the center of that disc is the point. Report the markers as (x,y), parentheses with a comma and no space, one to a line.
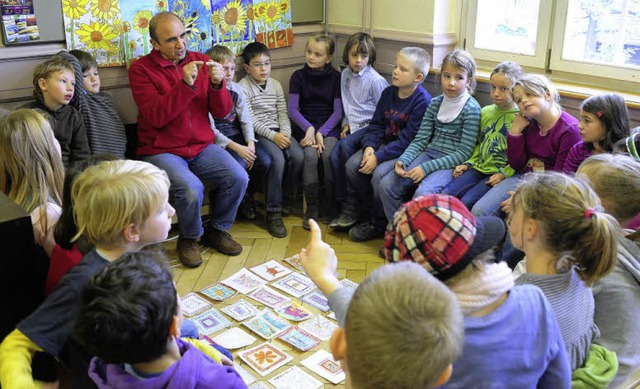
(450,108)
(483,287)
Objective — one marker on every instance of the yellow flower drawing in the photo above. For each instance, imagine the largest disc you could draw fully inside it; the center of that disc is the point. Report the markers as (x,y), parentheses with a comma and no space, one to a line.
(161,4)
(126,27)
(104,9)
(96,36)
(235,16)
(132,45)
(215,18)
(268,12)
(284,6)
(74,8)
(141,21)
(117,25)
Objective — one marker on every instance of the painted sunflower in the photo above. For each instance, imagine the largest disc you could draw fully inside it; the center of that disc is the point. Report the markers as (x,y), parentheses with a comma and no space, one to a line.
(104,9)
(141,21)
(215,18)
(235,16)
(284,6)
(117,25)
(271,13)
(74,8)
(161,5)
(96,36)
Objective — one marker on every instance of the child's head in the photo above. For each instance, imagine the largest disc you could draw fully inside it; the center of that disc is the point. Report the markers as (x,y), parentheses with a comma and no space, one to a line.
(90,75)
(412,67)
(359,51)
(562,214)
(54,82)
(400,307)
(503,78)
(257,61)
(604,120)
(458,73)
(535,94)
(31,170)
(223,55)
(319,51)
(129,310)
(119,202)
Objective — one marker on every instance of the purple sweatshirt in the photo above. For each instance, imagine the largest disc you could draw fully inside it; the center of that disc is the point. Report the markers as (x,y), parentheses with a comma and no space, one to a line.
(534,152)
(578,153)
(194,370)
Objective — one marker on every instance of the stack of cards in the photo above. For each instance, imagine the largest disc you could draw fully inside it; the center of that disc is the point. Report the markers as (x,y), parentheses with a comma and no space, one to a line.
(265,358)
(323,364)
(191,304)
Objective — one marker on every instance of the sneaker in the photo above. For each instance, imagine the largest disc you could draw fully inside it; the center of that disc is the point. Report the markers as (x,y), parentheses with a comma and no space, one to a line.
(275,225)
(347,219)
(365,231)
(221,241)
(247,208)
(189,252)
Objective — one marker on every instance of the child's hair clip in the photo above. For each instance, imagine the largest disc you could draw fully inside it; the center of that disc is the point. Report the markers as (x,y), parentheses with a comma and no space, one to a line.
(599,113)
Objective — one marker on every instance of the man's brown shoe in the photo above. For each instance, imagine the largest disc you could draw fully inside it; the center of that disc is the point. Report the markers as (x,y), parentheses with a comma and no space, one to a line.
(221,241)
(189,252)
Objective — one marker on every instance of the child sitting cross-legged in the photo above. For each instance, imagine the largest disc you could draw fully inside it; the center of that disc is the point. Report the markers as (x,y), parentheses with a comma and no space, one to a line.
(397,309)
(130,319)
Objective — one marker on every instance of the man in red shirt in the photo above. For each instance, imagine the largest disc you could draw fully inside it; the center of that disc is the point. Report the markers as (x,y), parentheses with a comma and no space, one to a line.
(175,90)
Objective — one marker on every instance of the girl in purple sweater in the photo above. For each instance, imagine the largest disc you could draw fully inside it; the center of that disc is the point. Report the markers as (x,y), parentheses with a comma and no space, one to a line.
(604,120)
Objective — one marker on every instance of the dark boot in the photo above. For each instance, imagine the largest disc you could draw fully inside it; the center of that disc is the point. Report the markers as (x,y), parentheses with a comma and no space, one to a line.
(329,206)
(275,225)
(312,197)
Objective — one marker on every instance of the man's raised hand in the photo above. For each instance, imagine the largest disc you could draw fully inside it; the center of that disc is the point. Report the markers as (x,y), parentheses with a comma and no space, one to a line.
(190,72)
(216,73)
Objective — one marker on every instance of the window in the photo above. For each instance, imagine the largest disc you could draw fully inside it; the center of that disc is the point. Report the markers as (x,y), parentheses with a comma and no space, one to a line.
(587,37)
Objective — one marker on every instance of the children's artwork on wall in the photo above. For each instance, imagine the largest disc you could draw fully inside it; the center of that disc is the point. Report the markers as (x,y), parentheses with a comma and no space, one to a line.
(196,17)
(96,27)
(232,23)
(272,21)
(136,16)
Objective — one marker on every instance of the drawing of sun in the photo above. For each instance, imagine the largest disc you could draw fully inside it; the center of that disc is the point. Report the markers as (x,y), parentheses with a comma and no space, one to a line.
(104,9)
(74,8)
(96,36)
(141,21)
(234,16)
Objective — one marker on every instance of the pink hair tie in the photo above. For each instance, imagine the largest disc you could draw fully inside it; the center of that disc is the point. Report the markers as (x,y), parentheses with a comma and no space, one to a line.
(589,213)
(599,113)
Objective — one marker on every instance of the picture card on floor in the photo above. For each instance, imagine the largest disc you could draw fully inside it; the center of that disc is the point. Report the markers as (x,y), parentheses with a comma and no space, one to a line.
(294,311)
(241,310)
(218,292)
(295,378)
(317,299)
(244,281)
(260,385)
(210,321)
(269,297)
(271,270)
(294,262)
(268,325)
(319,326)
(247,377)
(191,304)
(295,284)
(265,358)
(323,364)
(347,283)
(234,338)
(299,338)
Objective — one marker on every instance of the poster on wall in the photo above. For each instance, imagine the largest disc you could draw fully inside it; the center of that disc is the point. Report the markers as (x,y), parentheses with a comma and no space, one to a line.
(136,16)
(19,22)
(273,23)
(196,17)
(232,23)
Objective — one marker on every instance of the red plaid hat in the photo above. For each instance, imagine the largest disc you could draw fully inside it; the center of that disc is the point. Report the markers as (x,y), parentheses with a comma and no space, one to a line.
(439,233)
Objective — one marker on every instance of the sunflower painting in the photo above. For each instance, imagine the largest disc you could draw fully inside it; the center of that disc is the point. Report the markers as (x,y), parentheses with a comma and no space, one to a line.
(272,21)
(196,16)
(136,15)
(92,26)
(232,23)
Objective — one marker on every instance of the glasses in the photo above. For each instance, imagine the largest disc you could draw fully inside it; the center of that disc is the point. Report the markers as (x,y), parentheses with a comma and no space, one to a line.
(259,65)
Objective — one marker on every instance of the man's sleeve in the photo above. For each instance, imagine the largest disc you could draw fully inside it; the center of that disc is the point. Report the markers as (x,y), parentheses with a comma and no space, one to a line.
(220,101)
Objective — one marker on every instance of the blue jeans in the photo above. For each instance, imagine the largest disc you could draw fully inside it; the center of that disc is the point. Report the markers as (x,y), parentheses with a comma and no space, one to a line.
(394,190)
(469,187)
(489,204)
(339,156)
(215,166)
(282,167)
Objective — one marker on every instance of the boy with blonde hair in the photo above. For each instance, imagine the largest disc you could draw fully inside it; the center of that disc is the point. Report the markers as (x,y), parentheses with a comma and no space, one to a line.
(397,309)
(120,207)
(53,87)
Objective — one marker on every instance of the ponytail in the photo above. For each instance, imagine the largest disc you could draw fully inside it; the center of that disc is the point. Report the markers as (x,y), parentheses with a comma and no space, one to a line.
(597,248)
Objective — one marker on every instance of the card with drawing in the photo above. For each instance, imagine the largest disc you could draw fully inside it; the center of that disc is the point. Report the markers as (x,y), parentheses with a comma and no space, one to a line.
(191,304)
(317,299)
(347,283)
(299,338)
(294,312)
(244,281)
(295,378)
(271,270)
(218,292)
(295,284)
(268,325)
(247,377)
(269,297)
(210,321)
(265,358)
(234,338)
(323,364)
(260,385)
(332,315)
(241,310)
(294,262)
(319,327)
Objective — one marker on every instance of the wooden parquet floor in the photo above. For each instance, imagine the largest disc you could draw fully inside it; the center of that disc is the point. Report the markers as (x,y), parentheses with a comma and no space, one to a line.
(356,261)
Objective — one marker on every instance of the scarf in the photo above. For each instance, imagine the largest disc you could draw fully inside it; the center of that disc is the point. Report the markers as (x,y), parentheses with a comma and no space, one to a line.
(483,286)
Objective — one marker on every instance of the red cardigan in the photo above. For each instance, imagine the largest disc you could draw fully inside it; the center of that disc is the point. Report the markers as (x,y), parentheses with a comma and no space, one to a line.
(173,116)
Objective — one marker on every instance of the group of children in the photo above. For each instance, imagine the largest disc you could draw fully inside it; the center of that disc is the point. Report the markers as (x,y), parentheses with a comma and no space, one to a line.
(565,317)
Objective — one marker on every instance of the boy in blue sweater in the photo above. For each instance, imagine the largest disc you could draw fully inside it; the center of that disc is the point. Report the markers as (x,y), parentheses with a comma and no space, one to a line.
(374,150)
